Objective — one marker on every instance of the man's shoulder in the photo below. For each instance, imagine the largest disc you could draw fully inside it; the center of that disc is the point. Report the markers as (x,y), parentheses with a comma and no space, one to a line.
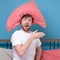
(17,32)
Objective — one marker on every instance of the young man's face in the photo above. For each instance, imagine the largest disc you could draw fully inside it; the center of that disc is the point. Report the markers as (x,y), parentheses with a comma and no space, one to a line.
(26,23)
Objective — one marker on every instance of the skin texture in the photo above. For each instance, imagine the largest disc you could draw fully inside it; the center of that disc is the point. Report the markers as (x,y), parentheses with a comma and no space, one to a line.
(26,24)
(21,49)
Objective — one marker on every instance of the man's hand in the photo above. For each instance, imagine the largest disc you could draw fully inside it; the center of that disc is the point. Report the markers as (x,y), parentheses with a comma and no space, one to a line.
(37,34)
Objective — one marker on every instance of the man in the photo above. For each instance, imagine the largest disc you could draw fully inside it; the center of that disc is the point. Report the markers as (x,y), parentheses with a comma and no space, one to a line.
(25,43)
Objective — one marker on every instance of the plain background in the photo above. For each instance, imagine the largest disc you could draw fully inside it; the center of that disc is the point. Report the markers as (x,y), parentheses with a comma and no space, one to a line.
(49,8)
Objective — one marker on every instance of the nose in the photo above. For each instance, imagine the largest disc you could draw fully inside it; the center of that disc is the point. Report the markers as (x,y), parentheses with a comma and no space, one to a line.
(27,21)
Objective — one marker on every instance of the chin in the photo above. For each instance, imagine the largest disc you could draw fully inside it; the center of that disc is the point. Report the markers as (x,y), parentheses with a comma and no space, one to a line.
(26,29)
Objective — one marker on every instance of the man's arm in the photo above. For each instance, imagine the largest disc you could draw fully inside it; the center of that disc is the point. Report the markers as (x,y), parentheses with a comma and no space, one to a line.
(38,53)
(21,49)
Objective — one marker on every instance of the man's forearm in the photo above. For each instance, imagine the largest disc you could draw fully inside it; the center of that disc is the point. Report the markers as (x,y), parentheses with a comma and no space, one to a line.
(26,45)
(38,54)
(21,49)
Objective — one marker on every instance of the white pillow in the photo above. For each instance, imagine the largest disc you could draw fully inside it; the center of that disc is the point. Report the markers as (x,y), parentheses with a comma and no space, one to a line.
(5,54)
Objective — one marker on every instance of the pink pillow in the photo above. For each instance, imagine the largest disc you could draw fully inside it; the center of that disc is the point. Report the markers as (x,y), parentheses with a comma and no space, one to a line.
(51,54)
(28,8)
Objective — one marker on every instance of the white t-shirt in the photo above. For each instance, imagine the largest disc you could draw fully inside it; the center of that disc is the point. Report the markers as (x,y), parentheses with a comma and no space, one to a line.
(20,37)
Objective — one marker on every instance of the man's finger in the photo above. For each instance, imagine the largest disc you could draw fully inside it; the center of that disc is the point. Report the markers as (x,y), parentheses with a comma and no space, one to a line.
(36,31)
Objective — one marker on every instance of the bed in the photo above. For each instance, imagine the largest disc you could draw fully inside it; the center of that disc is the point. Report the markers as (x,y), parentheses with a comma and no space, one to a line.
(50,49)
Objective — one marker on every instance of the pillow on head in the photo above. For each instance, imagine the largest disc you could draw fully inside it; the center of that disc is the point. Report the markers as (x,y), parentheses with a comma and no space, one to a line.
(27,8)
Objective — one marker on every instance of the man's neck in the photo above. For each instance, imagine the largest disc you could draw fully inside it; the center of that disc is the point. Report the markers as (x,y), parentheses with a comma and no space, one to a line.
(26,31)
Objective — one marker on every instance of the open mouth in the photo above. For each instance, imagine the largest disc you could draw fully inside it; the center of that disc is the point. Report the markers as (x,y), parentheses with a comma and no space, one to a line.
(26,25)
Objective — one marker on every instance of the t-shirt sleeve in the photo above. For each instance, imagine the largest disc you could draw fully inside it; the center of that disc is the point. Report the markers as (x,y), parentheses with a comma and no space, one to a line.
(38,42)
(15,39)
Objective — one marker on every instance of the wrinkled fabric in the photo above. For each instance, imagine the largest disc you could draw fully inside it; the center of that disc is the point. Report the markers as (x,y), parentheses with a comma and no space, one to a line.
(5,54)
(51,54)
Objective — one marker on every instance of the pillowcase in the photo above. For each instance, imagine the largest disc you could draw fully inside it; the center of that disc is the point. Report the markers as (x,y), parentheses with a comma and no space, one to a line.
(27,8)
(6,54)
(51,54)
